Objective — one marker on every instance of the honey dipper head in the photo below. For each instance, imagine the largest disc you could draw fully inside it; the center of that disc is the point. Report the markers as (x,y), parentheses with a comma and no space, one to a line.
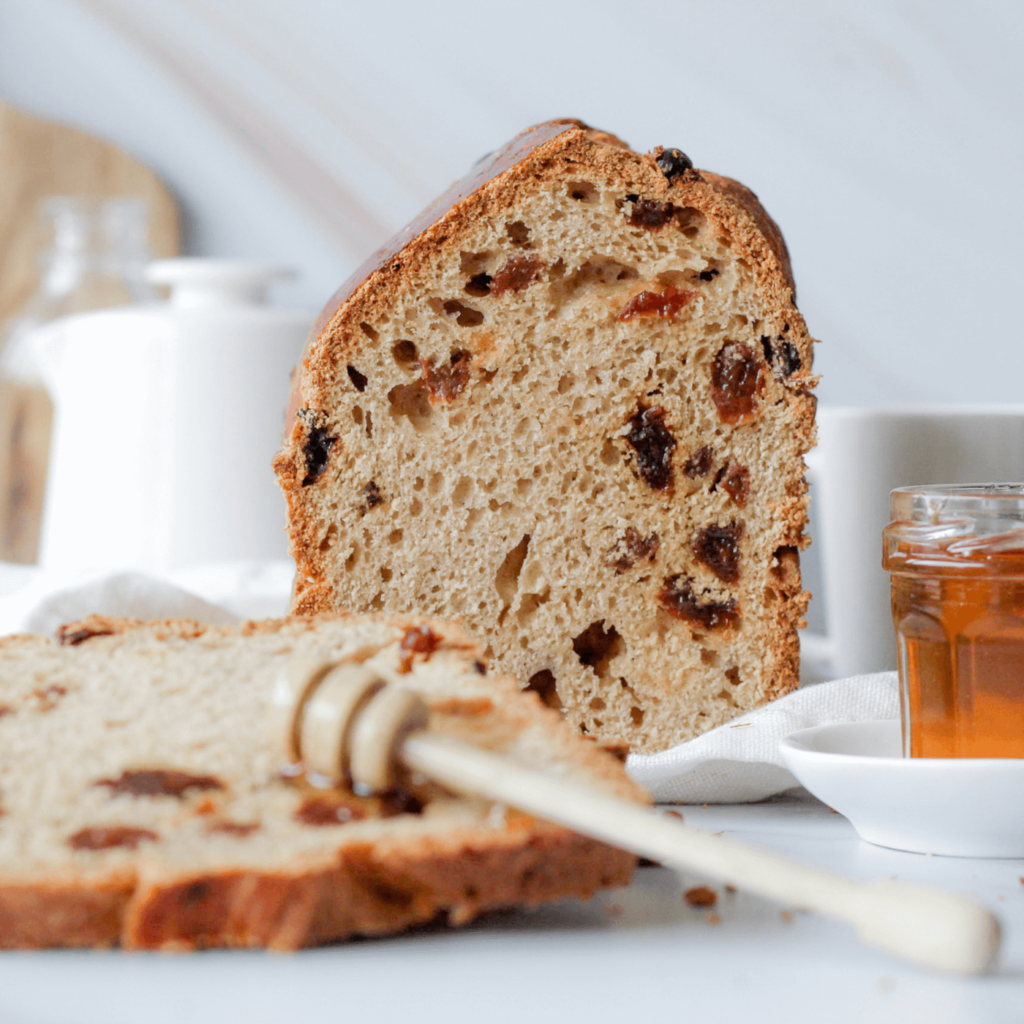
(344,722)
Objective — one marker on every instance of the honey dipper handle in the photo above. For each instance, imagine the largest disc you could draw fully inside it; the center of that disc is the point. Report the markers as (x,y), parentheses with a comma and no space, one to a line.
(935,928)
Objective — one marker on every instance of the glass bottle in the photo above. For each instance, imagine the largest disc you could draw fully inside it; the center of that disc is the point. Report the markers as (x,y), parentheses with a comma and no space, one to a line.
(98,249)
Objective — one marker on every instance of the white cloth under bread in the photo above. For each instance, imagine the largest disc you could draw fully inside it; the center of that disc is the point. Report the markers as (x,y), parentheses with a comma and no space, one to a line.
(740,761)
(736,763)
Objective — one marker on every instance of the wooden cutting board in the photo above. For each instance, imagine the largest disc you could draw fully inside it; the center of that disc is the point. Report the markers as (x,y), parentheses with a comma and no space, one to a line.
(41,158)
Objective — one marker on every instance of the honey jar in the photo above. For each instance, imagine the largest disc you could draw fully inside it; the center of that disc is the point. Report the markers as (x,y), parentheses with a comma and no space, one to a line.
(956,558)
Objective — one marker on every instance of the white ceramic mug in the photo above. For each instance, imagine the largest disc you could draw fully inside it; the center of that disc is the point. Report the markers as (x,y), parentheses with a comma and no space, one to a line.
(862,455)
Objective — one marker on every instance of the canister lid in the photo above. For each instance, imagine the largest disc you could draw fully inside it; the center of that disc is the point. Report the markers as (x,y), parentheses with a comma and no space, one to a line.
(967,521)
(210,282)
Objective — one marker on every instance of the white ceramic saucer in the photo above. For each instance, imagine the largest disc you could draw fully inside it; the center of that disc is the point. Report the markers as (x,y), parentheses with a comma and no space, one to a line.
(957,807)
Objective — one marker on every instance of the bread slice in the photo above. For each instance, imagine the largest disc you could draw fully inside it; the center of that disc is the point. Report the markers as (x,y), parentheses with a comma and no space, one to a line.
(143,804)
(569,405)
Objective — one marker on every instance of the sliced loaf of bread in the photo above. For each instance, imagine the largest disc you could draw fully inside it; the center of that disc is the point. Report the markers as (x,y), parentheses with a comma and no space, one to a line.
(569,405)
(143,803)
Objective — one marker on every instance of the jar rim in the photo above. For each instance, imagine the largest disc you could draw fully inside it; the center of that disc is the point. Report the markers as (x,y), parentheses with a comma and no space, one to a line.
(948,510)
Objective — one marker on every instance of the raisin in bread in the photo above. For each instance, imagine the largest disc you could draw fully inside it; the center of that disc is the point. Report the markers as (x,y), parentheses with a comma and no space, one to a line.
(144,805)
(569,405)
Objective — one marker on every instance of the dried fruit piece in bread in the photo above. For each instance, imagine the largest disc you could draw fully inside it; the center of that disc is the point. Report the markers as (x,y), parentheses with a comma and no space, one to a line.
(569,405)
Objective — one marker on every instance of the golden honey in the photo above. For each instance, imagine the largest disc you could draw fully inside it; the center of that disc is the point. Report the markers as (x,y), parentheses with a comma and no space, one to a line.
(956,558)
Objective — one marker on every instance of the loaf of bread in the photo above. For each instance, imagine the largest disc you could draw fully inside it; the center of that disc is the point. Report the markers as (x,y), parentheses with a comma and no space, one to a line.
(569,405)
(143,803)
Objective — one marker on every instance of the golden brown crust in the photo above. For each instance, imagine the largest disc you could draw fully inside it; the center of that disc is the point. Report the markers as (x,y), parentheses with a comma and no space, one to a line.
(372,891)
(71,913)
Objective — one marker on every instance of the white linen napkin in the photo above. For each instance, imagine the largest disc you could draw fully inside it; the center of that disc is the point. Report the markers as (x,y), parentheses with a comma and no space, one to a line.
(36,601)
(740,762)
(736,763)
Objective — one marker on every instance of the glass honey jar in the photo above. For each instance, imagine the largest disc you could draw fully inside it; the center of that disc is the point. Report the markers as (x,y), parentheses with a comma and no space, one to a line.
(956,558)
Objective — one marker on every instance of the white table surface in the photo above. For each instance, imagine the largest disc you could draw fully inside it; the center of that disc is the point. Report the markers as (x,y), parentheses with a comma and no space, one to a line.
(634,954)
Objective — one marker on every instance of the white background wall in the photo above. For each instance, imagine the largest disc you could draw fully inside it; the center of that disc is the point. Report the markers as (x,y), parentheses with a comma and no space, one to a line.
(883,135)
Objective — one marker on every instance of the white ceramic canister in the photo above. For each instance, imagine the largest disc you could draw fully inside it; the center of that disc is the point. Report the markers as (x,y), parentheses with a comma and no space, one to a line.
(167,417)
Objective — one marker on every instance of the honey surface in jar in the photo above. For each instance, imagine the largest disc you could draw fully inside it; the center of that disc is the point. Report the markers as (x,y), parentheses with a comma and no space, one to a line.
(958,609)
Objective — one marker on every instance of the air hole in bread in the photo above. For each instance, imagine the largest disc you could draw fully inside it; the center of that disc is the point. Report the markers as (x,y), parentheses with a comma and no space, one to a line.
(709,657)
(733,675)
(589,277)
(582,191)
(691,222)
(543,684)
(565,383)
(385,574)
(463,490)
(597,646)
(506,580)
(395,536)
(786,568)
(358,379)
(673,278)
(526,426)
(610,455)
(726,696)
(465,316)
(636,715)
(528,604)
(597,704)
(471,263)
(412,402)
(478,285)
(353,559)
(368,331)
(518,233)
(405,355)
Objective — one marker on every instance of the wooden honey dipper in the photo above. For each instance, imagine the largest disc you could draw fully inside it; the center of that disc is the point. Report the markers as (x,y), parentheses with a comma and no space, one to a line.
(345,721)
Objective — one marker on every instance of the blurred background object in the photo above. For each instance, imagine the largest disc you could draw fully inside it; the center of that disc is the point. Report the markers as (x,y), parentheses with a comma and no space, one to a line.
(168,417)
(39,158)
(97,253)
(79,219)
